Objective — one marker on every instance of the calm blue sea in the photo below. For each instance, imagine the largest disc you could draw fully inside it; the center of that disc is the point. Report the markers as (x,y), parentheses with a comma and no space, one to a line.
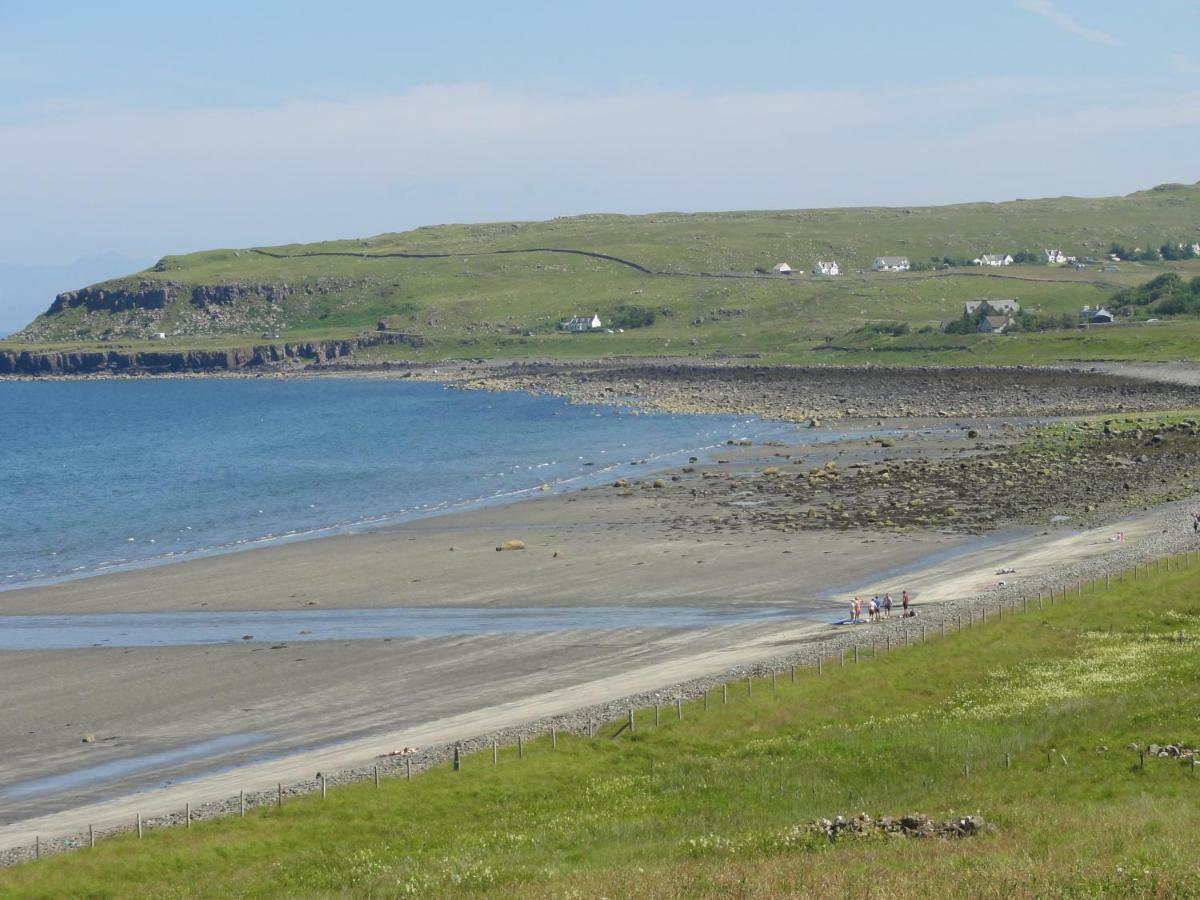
(103,475)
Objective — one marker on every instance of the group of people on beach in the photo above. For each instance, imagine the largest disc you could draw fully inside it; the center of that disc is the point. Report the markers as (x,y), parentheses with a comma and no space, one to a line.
(879,608)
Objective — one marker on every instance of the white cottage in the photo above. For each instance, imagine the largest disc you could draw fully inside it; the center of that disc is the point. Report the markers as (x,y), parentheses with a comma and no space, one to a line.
(826,267)
(584,323)
(1055,257)
(994,259)
(891,264)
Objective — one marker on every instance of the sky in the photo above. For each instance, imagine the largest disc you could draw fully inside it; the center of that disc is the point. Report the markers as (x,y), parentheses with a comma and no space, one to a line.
(138,129)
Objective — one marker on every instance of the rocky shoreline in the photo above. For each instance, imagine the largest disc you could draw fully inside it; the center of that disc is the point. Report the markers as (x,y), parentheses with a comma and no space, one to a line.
(812,394)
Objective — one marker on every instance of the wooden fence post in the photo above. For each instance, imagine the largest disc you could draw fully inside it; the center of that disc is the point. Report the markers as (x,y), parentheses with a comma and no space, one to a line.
(279,796)
(724,694)
(455,768)
(657,722)
(456,765)
(408,770)
(242,801)
(91,836)
(792,669)
(631,725)
(139,825)
(187,814)
(521,738)
(553,737)
(377,777)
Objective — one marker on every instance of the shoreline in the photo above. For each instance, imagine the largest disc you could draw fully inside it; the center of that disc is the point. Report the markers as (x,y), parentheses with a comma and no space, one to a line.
(637,543)
(573,710)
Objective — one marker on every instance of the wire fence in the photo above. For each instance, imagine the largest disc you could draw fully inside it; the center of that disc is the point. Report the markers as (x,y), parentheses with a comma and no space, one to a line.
(897,635)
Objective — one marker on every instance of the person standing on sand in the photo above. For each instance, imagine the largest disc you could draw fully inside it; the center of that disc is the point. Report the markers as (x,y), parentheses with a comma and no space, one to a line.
(887,605)
(904,601)
(853,610)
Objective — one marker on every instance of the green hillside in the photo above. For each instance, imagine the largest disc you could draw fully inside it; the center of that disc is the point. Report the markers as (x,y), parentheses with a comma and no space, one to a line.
(501,289)
(1032,721)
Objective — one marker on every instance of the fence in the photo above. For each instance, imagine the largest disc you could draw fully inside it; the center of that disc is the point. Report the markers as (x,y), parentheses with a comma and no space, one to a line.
(907,632)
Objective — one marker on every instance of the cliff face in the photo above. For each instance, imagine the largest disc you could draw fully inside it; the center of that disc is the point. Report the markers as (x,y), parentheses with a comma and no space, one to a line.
(141,307)
(105,298)
(147,362)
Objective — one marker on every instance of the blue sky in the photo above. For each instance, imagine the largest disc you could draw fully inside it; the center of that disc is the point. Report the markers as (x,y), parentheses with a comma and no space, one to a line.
(144,128)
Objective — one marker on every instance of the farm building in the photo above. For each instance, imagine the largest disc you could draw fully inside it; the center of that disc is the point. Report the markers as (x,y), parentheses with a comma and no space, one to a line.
(782,269)
(997,307)
(1095,316)
(995,324)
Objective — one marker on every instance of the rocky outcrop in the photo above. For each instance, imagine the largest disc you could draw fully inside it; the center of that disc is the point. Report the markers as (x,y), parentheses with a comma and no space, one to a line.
(110,297)
(204,295)
(148,362)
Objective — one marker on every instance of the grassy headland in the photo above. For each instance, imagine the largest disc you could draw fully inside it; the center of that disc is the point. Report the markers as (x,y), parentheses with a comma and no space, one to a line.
(1032,722)
(499,290)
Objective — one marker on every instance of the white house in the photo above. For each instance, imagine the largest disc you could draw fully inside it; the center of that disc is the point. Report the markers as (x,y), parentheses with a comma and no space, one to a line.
(826,267)
(891,264)
(158,336)
(1055,257)
(994,259)
(1196,249)
(782,269)
(584,323)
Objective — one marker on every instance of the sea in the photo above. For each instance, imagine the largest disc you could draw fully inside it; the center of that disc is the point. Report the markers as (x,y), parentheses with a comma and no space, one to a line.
(101,476)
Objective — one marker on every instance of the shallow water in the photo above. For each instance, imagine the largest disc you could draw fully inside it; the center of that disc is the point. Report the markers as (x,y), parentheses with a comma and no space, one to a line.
(116,769)
(98,476)
(183,629)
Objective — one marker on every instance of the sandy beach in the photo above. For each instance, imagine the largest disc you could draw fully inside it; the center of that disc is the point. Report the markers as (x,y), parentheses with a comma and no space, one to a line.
(172,725)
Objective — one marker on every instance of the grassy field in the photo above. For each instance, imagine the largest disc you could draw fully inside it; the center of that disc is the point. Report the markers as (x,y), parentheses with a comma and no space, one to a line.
(1024,721)
(476,297)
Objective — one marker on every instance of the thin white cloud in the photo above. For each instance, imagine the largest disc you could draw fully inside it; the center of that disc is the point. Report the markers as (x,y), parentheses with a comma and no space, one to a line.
(141,181)
(1068,23)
